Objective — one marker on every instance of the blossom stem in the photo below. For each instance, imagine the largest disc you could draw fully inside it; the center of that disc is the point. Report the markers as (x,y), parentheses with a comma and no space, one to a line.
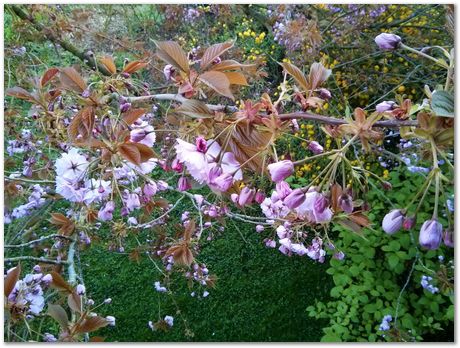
(437,61)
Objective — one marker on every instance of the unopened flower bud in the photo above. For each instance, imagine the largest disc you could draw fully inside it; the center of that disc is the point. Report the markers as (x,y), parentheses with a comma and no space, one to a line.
(315,147)
(294,199)
(260,196)
(201,145)
(430,234)
(448,238)
(388,42)
(346,203)
(281,170)
(392,222)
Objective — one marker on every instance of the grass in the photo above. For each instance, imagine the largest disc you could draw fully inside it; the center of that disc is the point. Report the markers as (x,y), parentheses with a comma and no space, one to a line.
(261,295)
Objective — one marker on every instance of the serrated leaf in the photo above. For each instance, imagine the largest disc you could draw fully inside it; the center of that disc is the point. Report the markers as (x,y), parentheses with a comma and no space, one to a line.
(218,81)
(59,283)
(11,279)
(145,152)
(132,67)
(171,53)
(21,93)
(48,75)
(92,324)
(74,302)
(108,62)
(213,52)
(132,115)
(318,74)
(236,78)
(442,103)
(297,74)
(130,152)
(82,124)
(230,64)
(59,314)
(72,80)
(195,109)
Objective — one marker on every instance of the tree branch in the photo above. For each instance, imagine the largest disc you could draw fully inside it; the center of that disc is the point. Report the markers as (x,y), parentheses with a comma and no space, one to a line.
(86,57)
(37,241)
(36,259)
(339,121)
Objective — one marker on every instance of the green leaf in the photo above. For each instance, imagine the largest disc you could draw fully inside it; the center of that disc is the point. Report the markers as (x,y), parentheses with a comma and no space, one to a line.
(393,260)
(442,104)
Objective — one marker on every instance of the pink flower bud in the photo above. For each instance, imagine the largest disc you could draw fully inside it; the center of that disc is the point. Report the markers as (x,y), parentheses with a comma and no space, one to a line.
(234,197)
(392,222)
(430,234)
(346,203)
(150,189)
(246,196)
(224,182)
(448,238)
(260,196)
(281,170)
(183,184)
(294,199)
(282,189)
(125,107)
(80,289)
(259,228)
(177,166)
(138,135)
(168,70)
(315,147)
(385,106)
(201,145)
(388,42)
(325,94)
(408,222)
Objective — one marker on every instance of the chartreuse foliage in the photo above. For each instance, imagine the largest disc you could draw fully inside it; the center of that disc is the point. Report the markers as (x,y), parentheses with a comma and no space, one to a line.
(369,281)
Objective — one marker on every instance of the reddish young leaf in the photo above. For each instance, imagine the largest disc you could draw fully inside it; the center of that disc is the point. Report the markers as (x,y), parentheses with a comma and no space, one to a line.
(297,74)
(82,124)
(74,302)
(59,283)
(21,93)
(11,279)
(171,53)
(48,75)
(132,115)
(145,152)
(230,64)
(194,109)
(130,152)
(92,324)
(318,74)
(236,78)
(97,339)
(218,81)
(109,64)
(72,80)
(213,52)
(132,67)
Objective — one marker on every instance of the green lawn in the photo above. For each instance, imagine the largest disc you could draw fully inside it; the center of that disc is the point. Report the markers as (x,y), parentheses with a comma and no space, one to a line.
(261,295)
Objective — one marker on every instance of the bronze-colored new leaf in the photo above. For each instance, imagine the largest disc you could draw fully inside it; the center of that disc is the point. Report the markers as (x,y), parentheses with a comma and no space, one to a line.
(194,109)
(132,115)
(171,53)
(48,75)
(297,74)
(132,67)
(72,80)
(109,64)
(11,280)
(218,81)
(21,93)
(74,302)
(181,253)
(213,52)
(66,225)
(59,283)
(92,324)
(228,65)
(145,152)
(318,74)
(82,124)
(236,78)
(130,152)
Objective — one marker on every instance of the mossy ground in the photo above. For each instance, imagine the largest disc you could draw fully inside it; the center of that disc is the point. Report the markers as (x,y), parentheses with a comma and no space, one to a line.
(260,295)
